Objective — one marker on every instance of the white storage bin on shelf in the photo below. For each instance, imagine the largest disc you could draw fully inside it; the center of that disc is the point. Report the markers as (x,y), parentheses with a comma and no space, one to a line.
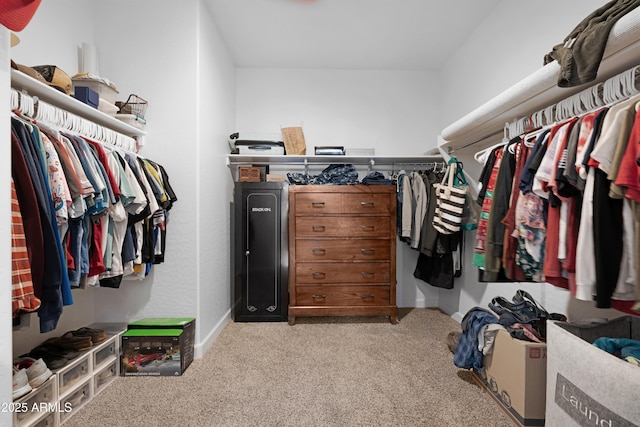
(105,376)
(105,91)
(76,399)
(132,120)
(48,419)
(74,373)
(103,364)
(31,407)
(104,353)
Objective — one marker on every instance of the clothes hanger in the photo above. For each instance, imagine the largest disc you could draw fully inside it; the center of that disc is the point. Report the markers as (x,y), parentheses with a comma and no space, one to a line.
(482,156)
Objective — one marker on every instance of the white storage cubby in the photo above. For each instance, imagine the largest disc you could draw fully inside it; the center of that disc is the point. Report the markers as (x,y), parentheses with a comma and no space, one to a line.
(77,371)
(105,376)
(72,386)
(31,407)
(75,400)
(102,364)
(48,419)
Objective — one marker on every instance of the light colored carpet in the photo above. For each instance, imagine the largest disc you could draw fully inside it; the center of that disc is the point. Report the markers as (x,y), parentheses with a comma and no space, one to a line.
(344,371)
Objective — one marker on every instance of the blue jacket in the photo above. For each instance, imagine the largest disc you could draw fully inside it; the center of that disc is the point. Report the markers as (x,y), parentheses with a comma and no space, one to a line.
(467,354)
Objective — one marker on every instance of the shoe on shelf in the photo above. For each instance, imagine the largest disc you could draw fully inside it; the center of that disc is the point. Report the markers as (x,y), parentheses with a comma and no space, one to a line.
(54,356)
(69,341)
(20,383)
(37,370)
(97,335)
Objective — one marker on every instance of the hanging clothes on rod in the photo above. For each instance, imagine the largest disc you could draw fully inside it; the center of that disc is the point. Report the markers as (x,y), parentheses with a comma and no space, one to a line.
(439,259)
(570,217)
(93,211)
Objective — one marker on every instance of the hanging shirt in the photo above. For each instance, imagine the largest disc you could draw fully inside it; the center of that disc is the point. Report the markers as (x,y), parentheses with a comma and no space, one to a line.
(483,222)
(23,299)
(419,192)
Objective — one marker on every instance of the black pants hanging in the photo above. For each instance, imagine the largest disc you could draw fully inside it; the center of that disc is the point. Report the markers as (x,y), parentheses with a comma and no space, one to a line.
(607,234)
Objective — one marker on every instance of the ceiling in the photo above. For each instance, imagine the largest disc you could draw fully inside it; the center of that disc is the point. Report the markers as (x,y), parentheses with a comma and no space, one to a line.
(347,34)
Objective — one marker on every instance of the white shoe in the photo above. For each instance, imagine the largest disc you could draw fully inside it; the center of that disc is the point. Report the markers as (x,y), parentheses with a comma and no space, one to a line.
(37,370)
(20,383)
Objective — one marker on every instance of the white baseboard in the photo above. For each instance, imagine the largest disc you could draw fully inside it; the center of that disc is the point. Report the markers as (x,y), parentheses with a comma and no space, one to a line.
(457,316)
(201,349)
(420,303)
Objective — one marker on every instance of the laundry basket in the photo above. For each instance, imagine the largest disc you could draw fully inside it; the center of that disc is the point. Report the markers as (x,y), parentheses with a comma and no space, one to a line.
(134,105)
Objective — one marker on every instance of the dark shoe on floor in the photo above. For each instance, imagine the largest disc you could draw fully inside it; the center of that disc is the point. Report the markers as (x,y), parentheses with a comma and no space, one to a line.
(97,335)
(452,341)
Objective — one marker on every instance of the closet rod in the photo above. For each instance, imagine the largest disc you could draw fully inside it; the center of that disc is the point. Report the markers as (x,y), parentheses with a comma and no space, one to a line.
(614,89)
(540,88)
(38,110)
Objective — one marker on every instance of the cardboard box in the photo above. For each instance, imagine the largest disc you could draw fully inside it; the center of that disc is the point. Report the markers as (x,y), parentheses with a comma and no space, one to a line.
(587,385)
(275,178)
(86,95)
(249,174)
(153,352)
(515,374)
(187,324)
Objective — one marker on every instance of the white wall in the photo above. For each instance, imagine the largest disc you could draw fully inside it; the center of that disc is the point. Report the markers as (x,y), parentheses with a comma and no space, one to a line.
(186,74)
(395,112)
(508,46)
(216,119)
(6,358)
(145,53)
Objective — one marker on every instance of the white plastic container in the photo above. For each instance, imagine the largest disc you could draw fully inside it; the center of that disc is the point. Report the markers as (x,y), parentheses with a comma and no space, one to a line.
(107,107)
(133,120)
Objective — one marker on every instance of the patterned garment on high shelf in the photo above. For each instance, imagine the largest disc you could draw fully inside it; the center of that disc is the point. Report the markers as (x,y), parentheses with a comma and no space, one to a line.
(333,174)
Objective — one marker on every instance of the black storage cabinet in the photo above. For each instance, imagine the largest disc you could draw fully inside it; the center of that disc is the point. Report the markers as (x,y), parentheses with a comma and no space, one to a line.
(259,264)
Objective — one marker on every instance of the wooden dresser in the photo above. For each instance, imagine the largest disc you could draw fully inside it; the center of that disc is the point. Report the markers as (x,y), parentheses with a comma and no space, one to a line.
(342,251)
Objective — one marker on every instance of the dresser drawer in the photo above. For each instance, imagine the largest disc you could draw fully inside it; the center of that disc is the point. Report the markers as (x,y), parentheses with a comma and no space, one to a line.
(363,203)
(327,272)
(340,226)
(342,295)
(318,203)
(342,249)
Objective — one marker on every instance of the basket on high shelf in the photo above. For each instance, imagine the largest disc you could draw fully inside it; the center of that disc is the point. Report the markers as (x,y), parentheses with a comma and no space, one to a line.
(134,105)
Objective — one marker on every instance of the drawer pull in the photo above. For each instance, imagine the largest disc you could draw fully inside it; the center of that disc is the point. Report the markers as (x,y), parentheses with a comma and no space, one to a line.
(366,296)
(367,273)
(367,203)
(319,296)
(318,251)
(368,251)
(318,275)
(317,204)
(367,227)
(317,227)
